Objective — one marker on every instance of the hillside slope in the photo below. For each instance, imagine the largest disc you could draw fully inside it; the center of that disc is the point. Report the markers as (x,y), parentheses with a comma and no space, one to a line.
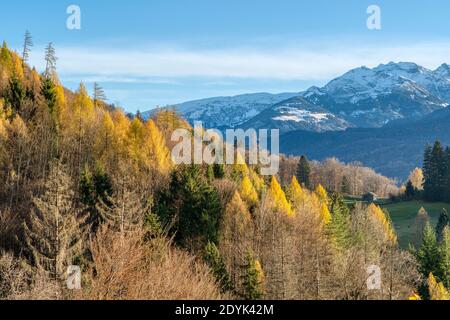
(392,150)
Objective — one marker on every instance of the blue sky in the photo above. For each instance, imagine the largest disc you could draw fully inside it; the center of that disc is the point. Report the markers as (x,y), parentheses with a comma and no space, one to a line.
(157,52)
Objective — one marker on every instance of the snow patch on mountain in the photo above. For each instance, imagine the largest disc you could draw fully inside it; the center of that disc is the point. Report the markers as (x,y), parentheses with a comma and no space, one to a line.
(296,115)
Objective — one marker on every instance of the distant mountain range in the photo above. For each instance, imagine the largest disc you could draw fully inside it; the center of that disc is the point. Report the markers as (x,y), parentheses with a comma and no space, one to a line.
(381,116)
(227,112)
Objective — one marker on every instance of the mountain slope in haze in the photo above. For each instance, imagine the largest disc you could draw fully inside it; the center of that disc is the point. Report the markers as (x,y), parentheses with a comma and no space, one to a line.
(393,150)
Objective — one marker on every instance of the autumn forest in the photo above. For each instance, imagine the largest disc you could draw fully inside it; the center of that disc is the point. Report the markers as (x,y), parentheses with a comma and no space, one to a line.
(83,183)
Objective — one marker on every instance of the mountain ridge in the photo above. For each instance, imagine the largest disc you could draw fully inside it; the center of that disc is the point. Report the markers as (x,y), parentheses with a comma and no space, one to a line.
(362,97)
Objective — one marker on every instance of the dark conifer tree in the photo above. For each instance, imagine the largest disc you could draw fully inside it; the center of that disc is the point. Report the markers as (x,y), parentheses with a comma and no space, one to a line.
(192,204)
(446,178)
(219,171)
(303,172)
(427,172)
(95,188)
(428,253)
(434,170)
(17,94)
(442,223)
(410,192)
(48,91)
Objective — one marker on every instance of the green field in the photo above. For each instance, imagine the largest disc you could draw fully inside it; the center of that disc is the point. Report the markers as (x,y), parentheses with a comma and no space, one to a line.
(403,215)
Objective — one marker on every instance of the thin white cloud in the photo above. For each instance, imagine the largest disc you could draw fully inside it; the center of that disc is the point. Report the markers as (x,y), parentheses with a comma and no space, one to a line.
(288,63)
(116,79)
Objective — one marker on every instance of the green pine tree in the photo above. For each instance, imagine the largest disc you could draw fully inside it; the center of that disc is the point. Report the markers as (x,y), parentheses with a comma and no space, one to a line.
(210,173)
(193,204)
(214,259)
(87,188)
(48,91)
(17,94)
(339,226)
(153,226)
(444,258)
(254,279)
(428,253)
(94,188)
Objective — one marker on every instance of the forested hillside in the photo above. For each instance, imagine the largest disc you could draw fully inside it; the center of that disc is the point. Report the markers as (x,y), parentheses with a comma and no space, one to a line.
(84,184)
(393,150)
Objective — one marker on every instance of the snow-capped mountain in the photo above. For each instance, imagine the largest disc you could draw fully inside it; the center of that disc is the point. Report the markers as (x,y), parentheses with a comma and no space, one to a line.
(297,113)
(227,112)
(363,97)
(373,97)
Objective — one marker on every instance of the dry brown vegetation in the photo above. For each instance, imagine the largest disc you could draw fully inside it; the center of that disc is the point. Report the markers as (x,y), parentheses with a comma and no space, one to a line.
(330,173)
(126,267)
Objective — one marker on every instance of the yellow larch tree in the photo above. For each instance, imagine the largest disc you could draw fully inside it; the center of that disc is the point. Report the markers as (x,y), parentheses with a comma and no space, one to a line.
(302,200)
(135,138)
(78,125)
(377,213)
(235,238)
(240,167)
(80,113)
(322,194)
(17,66)
(121,124)
(248,192)
(416,178)
(105,138)
(320,197)
(414,296)
(257,181)
(61,106)
(277,198)
(167,120)
(437,289)
(3,134)
(295,194)
(320,207)
(6,60)
(82,101)
(35,81)
(156,149)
